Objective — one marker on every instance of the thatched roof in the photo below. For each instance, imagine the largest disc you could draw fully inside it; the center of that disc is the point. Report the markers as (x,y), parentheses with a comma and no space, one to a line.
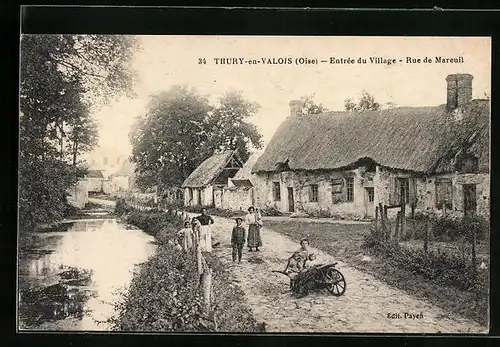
(408,138)
(209,170)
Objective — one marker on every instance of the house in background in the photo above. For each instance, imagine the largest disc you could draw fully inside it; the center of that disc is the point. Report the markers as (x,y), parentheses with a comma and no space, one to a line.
(240,192)
(120,181)
(205,185)
(95,180)
(346,163)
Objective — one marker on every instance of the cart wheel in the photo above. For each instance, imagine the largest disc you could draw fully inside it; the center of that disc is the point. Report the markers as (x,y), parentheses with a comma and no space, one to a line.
(334,281)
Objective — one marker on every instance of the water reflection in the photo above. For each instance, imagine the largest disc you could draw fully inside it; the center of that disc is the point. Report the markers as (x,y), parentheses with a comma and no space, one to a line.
(79,274)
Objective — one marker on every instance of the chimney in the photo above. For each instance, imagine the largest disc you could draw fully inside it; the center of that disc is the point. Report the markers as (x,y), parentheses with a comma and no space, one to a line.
(459,90)
(295,107)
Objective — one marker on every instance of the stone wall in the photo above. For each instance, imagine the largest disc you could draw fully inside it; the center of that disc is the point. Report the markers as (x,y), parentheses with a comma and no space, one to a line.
(206,194)
(94,184)
(383,183)
(237,199)
(300,182)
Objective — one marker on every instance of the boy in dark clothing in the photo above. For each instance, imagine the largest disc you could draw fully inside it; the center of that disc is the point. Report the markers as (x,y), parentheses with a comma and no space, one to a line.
(238,239)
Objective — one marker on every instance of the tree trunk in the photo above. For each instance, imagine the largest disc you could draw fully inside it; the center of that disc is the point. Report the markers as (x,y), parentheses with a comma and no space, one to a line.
(75,152)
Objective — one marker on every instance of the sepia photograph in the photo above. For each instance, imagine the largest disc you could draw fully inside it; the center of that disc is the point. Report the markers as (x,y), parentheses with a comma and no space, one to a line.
(254,184)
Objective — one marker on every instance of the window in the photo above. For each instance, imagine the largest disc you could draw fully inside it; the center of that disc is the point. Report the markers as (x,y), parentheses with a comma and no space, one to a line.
(276,191)
(313,193)
(444,193)
(467,164)
(349,183)
(403,190)
(371,193)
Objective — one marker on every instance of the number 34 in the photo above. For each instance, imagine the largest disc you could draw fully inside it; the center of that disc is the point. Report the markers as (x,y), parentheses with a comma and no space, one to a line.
(202,61)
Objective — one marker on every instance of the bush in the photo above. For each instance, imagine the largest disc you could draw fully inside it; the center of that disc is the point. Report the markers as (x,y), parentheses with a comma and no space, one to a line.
(165,294)
(121,207)
(439,268)
(451,229)
(271,211)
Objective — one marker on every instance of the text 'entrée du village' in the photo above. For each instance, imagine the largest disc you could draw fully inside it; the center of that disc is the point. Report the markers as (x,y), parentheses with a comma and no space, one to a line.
(329,60)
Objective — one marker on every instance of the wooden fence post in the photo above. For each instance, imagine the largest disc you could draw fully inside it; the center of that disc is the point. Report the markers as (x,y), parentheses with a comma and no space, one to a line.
(382,220)
(206,282)
(376,219)
(427,233)
(474,260)
(199,258)
(403,218)
(396,231)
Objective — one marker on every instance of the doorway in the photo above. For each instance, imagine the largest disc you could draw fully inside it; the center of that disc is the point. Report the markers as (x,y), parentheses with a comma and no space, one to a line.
(369,201)
(469,199)
(291,203)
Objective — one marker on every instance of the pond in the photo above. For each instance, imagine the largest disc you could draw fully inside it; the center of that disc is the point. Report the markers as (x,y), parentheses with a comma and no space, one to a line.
(72,276)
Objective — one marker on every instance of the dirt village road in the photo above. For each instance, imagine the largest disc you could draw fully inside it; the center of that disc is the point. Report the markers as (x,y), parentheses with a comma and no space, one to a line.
(364,307)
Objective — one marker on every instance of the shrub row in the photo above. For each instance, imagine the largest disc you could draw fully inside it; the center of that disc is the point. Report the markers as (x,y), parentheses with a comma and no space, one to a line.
(451,229)
(165,294)
(216,211)
(439,268)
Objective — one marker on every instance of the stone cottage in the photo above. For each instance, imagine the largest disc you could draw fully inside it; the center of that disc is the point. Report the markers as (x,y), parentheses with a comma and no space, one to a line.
(205,185)
(433,159)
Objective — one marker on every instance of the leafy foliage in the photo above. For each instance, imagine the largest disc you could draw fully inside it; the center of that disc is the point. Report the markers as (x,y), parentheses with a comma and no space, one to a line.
(366,103)
(309,106)
(181,129)
(228,126)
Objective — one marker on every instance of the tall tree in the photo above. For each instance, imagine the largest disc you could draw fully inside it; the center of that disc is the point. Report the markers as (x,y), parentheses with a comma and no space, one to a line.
(365,103)
(309,106)
(170,140)
(181,129)
(229,126)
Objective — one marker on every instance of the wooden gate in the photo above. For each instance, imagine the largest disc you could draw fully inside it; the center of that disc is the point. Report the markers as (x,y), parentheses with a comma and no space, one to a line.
(291,203)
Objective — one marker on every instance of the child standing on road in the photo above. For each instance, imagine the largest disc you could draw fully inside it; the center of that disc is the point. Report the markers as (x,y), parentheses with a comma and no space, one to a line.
(238,239)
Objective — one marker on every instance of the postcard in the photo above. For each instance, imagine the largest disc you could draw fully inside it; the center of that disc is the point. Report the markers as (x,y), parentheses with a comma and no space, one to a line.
(305,184)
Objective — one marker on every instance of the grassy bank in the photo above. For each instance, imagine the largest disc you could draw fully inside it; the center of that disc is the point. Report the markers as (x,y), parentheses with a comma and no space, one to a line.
(347,243)
(164,295)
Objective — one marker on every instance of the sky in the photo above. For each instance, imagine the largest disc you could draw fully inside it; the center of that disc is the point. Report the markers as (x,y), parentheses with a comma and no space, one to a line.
(165,61)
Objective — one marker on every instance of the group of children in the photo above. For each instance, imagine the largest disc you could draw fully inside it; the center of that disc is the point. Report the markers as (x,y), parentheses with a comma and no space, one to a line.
(197,230)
